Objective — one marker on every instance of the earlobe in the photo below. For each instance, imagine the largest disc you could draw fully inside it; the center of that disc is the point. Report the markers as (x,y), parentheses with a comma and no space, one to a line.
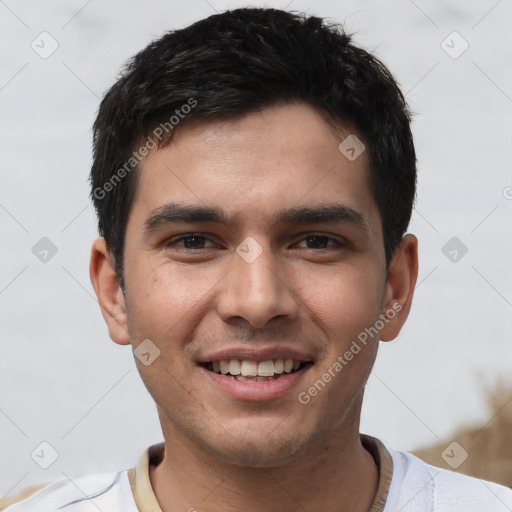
(108,291)
(402,275)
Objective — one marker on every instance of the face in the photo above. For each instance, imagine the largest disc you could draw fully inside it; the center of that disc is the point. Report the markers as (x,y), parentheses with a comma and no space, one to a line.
(255,246)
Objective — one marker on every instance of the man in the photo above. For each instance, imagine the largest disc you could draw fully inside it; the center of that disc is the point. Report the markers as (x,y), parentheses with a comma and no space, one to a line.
(254,176)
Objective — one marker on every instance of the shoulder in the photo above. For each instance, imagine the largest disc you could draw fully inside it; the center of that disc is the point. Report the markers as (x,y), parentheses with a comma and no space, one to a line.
(418,486)
(103,491)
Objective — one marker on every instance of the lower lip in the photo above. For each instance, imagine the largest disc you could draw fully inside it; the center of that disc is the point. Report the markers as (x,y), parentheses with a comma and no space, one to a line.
(256,391)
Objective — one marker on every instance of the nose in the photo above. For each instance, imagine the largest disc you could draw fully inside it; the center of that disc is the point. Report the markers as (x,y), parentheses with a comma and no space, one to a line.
(257,291)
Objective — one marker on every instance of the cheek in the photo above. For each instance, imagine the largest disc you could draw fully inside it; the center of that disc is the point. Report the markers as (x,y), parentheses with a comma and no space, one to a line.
(164,299)
(165,306)
(343,306)
(344,300)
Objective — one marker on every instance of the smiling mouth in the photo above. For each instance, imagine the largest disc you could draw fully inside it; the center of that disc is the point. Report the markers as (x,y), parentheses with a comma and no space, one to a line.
(255,371)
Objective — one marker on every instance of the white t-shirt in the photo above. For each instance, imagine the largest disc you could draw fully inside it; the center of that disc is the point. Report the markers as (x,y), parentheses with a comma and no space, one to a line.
(406,484)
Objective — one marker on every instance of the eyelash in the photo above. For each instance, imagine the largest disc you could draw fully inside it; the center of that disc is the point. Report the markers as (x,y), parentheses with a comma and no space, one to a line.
(173,241)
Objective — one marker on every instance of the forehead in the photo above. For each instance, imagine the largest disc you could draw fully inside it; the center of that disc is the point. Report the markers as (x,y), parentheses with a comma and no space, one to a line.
(281,157)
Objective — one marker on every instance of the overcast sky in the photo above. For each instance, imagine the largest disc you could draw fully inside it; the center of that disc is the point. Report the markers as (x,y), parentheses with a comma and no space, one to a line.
(65,383)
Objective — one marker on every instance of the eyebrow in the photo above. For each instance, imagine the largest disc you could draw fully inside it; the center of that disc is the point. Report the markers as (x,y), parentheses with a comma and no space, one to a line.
(175,213)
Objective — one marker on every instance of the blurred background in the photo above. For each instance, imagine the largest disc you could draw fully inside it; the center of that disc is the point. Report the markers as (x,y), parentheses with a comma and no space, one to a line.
(443,389)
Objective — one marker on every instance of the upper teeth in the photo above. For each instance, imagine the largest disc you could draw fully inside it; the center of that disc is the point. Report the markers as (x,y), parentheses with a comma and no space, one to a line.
(255,368)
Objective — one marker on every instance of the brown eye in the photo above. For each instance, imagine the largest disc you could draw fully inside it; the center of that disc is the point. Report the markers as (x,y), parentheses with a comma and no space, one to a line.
(320,242)
(190,242)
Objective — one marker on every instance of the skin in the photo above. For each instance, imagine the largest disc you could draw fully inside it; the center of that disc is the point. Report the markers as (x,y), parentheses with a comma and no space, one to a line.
(313,295)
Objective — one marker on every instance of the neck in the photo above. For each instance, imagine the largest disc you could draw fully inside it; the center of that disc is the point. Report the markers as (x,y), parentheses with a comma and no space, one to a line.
(333,475)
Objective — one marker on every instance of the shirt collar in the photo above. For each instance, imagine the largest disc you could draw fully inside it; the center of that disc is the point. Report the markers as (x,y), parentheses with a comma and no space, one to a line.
(146,501)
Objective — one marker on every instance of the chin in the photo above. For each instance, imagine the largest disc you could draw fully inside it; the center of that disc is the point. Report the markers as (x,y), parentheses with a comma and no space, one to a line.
(259,448)
(258,455)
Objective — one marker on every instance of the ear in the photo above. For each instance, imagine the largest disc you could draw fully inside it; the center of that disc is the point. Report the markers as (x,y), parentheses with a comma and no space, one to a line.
(108,291)
(402,275)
